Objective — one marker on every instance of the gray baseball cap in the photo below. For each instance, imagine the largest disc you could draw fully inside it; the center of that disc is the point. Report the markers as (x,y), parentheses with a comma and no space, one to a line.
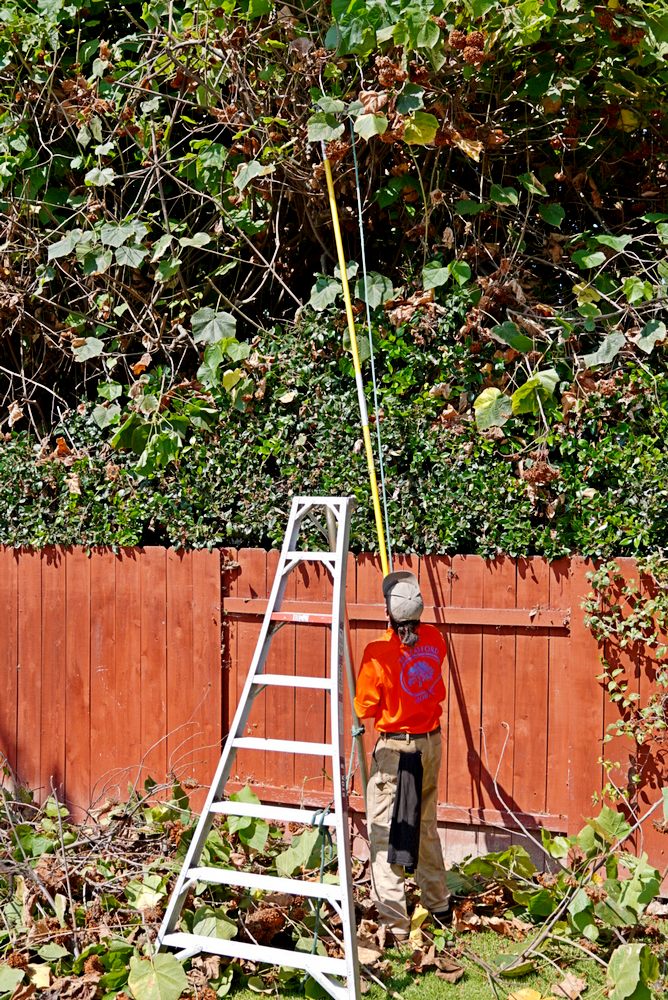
(402,595)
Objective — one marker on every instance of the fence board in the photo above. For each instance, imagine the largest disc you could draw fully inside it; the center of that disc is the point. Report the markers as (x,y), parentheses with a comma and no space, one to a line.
(9,675)
(104,750)
(531,699)
(77,681)
(560,705)
(585,720)
(29,702)
(498,689)
(180,694)
(206,668)
(278,704)
(252,582)
(368,585)
(312,582)
(153,663)
(465,687)
(54,638)
(127,678)
(436,588)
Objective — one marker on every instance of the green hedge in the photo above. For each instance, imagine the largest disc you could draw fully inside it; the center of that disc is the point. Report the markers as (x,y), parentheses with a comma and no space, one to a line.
(596,485)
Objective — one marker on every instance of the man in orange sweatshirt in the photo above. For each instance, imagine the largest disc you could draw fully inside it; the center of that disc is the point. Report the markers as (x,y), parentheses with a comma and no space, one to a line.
(400,687)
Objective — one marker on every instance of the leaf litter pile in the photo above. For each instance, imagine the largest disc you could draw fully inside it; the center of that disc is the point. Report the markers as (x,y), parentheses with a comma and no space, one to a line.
(80,906)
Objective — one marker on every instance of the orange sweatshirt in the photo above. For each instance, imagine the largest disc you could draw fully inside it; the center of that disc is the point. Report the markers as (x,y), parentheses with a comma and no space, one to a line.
(400,687)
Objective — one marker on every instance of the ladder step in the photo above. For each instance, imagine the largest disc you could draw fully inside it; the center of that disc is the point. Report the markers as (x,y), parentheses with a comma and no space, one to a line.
(283,746)
(268,883)
(307,556)
(276,814)
(293,680)
(256,953)
(301,617)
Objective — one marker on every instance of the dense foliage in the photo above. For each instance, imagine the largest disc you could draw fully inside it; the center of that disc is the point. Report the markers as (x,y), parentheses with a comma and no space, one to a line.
(165,216)
(450,487)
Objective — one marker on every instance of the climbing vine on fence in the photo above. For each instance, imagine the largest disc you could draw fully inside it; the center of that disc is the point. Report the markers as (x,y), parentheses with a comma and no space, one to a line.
(629,618)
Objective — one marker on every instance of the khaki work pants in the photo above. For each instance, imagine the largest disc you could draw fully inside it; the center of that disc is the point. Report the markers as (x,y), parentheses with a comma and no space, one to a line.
(387,881)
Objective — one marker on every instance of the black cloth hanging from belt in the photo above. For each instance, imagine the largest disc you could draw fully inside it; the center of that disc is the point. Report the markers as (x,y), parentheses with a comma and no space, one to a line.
(405,827)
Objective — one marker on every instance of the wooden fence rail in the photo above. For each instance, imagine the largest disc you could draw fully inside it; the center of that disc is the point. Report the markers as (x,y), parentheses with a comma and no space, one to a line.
(117,666)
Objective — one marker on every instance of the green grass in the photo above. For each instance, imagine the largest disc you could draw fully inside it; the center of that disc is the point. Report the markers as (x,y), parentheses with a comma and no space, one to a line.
(475,984)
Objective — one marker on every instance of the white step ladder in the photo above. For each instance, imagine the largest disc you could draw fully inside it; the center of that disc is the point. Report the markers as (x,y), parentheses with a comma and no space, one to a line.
(305,513)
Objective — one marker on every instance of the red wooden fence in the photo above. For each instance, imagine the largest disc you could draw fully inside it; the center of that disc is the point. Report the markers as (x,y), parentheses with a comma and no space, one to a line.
(110,671)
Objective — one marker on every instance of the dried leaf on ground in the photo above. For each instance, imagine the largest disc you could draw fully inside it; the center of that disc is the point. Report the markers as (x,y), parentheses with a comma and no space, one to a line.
(570,987)
(526,993)
(368,950)
(427,961)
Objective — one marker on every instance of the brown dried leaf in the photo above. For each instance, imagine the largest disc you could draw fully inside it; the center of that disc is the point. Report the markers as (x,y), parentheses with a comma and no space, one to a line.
(15,413)
(368,950)
(373,100)
(570,987)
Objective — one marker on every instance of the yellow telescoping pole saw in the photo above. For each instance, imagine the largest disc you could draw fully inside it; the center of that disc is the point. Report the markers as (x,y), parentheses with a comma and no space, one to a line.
(361,398)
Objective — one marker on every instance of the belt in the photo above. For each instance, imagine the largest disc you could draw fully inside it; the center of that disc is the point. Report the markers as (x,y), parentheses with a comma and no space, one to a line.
(406,737)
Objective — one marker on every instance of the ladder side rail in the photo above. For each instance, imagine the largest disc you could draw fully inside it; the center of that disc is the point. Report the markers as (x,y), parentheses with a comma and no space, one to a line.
(244,707)
(348,662)
(337,647)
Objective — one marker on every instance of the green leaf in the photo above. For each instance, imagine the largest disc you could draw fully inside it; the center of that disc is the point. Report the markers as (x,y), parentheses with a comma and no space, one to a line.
(115,234)
(167,269)
(303,852)
(210,326)
(553,214)
(331,105)
(607,350)
(324,293)
(379,289)
(66,245)
(51,952)
(492,408)
(160,247)
(651,334)
(435,274)
(533,185)
(662,231)
(130,256)
(538,388)
(110,390)
(246,172)
(460,271)
(91,348)
(588,258)
(214,922)
(146,893)
(420,129)
(10,978)
(504,195)
(610,825)
(106,416)
(367,126)
(255,835)
(196,240)
(619,243)
(159,978)
(637,290)
(410,99)
(96,262)
(510,334)
(324,128)
(630,969)
(466,207)
(510,967)
(100,177)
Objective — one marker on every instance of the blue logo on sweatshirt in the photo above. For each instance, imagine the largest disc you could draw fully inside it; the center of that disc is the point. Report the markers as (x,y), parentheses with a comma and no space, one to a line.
(420,672)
